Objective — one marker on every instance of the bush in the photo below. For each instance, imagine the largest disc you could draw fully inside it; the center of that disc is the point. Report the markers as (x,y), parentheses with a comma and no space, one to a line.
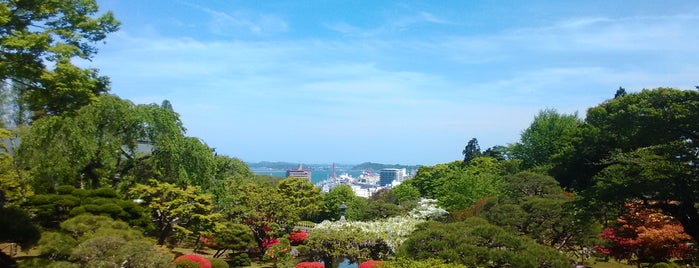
(665,265)
(239,259)
(298,237)
(370,264)
(218,263)
(310,265)
(191,261)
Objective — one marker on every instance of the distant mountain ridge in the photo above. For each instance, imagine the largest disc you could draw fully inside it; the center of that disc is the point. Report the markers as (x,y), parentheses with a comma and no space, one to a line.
(378,166)
(363,166)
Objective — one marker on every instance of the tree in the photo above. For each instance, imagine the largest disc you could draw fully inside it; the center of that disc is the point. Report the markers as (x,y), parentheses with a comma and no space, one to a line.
(475,243)
(49,210)
(333,245)
(471,151)
(235,237)
(185,212)
(305,197)
(550,134)
(337,196)
(535,205)
(14,180)
(34,34)
(99,241)
(262,208)
(620,92)
(17,227)
(642,146)
(645,235)
(112,142)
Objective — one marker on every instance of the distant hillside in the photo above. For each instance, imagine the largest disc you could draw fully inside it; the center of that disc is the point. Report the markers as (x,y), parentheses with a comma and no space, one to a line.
(377,166)
(273,165)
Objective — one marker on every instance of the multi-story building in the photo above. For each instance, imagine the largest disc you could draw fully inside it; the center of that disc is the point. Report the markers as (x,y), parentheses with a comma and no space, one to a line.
(388,175)
(299,173)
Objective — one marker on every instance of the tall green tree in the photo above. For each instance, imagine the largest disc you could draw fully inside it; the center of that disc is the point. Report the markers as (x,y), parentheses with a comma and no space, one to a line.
(38,34)
(471,151)
(550,134)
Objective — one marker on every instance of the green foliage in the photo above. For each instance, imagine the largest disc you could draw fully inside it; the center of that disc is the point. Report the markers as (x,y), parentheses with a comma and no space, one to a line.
(641,146)
(406,192)
(218,263)
(550,135)
(14,179)
(235,237)
(262,208)
(99,241)
(51,209)
(471,151)
(333,200)
(331,245)
(185,212)
(239,259)
(428,263)
(475,243)
(17,227)
(113,142)
(67,29)
(534,205)
(305,197)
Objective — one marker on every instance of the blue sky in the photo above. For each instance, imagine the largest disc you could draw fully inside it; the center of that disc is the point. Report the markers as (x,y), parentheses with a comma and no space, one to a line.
(387,81)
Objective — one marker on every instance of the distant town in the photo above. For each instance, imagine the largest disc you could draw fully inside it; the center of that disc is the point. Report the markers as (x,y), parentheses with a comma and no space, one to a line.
(365,179)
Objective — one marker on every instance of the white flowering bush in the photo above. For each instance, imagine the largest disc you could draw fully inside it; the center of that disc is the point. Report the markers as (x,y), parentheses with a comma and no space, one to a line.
(394,230)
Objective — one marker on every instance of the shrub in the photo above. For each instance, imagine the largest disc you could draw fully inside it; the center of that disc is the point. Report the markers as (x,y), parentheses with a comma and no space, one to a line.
(298,237)
(370,264)
(218,263)
(310,265)
(239,259)
(192,261)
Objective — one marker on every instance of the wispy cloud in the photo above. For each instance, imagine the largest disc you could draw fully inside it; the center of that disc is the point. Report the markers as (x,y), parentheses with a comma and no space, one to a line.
(229,24)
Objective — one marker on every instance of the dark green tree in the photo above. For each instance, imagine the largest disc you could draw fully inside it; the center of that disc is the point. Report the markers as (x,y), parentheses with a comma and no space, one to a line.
(476,243)
(642,146)
(471,151)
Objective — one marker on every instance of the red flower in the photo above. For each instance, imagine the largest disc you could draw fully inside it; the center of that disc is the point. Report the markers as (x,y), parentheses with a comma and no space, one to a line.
(298,237)
(310,265)
(370,264)
(203,262)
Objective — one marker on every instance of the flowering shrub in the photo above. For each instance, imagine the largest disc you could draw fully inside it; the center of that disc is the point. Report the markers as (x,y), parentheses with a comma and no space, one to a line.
(269,242)
(310,265)
(279,253)
(192,261)
(394,230)
(297,237)
(370,264)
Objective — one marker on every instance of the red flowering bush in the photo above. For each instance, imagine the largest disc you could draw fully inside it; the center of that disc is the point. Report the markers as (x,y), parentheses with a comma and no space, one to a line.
(192,261)
(298,237)
(269,242)
(310,265)
(370,264)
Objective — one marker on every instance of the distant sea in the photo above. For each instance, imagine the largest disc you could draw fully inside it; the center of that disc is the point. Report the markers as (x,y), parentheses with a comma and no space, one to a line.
(317,175)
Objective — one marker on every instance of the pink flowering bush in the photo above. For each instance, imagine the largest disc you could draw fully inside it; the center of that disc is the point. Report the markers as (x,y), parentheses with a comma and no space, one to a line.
(370,264)
(192,261)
